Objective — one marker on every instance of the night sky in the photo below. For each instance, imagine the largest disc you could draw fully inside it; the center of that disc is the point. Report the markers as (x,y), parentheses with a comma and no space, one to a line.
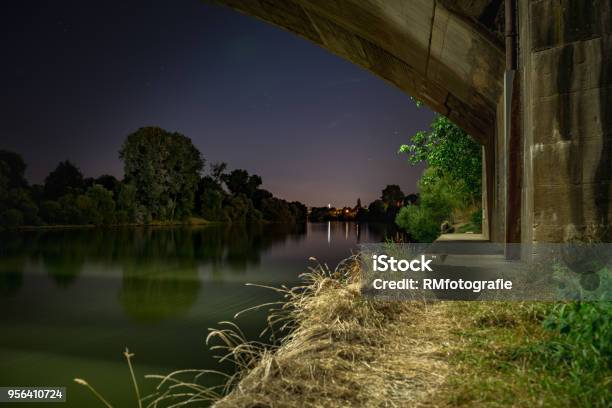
(77,77)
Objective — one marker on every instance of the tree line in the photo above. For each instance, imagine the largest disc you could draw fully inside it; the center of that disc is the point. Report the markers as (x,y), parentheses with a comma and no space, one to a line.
(384,209)
(164,181)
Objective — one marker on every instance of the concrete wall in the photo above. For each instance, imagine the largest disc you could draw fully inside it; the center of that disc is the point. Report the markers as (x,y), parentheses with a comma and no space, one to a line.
(566,75)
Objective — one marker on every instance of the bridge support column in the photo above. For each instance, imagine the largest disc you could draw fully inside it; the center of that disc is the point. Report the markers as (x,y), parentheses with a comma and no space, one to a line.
(565,69)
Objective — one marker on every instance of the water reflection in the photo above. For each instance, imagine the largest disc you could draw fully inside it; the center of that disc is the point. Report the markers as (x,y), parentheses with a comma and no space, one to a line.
(11,276)
(160,266)
(11,264)
(154,290)
(71,300)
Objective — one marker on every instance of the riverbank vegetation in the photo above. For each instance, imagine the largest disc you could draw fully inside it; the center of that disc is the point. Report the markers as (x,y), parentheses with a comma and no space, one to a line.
(529,354)
(164,183)
(450,189)
(332,347)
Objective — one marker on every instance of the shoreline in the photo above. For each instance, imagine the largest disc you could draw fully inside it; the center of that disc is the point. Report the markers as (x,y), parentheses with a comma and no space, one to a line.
(200,223)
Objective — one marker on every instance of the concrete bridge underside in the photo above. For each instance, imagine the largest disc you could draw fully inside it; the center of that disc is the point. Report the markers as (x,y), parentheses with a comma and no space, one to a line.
(546,135)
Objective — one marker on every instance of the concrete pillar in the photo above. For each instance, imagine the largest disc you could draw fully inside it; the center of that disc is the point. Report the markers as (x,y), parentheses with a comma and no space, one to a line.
(565,69)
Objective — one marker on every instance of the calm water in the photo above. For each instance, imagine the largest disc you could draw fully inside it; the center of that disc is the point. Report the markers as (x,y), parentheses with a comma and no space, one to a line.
(72,300)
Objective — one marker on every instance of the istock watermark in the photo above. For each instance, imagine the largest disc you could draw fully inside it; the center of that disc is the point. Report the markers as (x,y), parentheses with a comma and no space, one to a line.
(480,271)
(384,263)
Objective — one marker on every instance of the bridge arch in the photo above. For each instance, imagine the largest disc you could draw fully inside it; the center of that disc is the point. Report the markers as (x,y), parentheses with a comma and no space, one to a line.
(436,55)
(442,52)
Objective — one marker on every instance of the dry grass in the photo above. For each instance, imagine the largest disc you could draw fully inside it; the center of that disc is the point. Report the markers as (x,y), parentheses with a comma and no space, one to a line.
(337,349)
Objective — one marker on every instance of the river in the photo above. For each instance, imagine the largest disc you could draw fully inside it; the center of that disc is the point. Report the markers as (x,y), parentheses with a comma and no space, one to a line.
(72,300)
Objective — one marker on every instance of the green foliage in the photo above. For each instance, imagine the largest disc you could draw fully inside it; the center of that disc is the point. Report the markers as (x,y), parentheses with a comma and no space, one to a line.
(449,150)
(97,206)
(162,183)
(65,179)
(127,204)
(239,209)
(165,169)
(419,222)
(12,170)
(299,210)
(277,210)
(20,199)
(437,201)
(109,182)
(576,357)
(555,355)
(452,180)
(70,213)
(240,182)
(585,330)
(16,204)
(212,205)
(476,219)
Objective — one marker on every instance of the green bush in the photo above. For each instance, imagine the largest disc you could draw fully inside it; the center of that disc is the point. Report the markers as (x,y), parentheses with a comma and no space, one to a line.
(439,195)
(420,222)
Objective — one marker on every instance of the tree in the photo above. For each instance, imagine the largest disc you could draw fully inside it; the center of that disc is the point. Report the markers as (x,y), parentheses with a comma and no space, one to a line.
(299,210)
(392,195)
(451,152)
(260,195)
(16,205)
(211,205)
(165,169)
(70,211)
(127,204)
(51,211)
(277,210)
(12,170)
(102,206)
(21,200)
(240,182)
(377,210)
(109,182)
(240,210)
(217,170)
(65,179)
(411,199)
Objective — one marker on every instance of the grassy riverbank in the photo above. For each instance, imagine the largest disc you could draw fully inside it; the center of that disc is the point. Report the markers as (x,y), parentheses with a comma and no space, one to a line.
(333,348)
(528,354)
(346,350)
